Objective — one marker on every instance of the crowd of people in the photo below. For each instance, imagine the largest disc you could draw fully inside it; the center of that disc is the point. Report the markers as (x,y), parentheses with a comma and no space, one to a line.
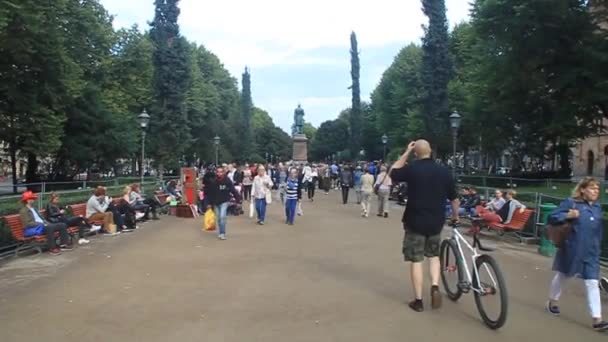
(432,197)
(225,187)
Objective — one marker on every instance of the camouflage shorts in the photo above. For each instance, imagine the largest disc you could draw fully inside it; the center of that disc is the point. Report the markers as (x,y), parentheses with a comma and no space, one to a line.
(417,246)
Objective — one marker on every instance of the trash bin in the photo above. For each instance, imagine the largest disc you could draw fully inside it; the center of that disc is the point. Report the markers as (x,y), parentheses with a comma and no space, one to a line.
(546,247)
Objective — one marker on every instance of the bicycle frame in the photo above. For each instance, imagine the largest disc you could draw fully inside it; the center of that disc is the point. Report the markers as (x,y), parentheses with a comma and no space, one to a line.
(460,240)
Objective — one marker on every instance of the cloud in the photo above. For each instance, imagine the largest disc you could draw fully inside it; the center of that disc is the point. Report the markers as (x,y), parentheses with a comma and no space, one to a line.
(298,51)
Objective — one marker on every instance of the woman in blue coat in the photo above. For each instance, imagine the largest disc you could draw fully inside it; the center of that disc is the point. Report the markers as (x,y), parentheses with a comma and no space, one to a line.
(580,254)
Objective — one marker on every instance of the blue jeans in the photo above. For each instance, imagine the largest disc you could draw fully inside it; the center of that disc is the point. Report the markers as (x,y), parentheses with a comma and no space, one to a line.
(290,210)
(220,217)
(260,208)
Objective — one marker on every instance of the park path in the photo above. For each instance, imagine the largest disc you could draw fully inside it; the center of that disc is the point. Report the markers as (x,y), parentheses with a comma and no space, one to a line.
(334,276)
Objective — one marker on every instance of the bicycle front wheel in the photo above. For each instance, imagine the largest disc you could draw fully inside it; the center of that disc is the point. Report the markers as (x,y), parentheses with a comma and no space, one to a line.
(490,290)
(451,269)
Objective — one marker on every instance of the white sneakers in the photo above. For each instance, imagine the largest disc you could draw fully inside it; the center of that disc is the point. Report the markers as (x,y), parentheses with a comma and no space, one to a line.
(222,236)
(139,215)
(95,228)
(83,241)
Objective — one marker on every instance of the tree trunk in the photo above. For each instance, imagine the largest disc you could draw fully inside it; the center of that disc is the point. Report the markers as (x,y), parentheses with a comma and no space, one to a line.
(13,152)
(31,171)
(564,155)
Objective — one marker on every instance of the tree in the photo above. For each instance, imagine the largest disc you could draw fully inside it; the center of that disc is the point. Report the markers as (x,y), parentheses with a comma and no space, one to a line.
(38,79)
(331,138)
(246,112)
(397,96)
(169,124)
(436,72)
(355,112)
(543,90)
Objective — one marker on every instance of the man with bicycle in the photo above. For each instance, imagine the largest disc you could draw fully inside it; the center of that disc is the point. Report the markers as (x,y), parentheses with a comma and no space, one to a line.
(429,185)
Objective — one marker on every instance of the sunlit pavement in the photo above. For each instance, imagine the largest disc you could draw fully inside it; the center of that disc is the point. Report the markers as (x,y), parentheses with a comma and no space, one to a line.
(334,276)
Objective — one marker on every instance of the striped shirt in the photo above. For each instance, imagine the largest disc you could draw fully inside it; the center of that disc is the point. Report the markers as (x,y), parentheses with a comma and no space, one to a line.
(291,191)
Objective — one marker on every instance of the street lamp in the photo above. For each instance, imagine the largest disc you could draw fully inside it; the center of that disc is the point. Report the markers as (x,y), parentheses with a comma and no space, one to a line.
(144,119)
(454,125)
(216,142)
(384,142)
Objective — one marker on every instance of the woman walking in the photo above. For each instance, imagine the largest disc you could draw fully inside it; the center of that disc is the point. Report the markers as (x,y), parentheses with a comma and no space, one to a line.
(247,182)
(367,188)
(579,255)
(384,183)
(261,189)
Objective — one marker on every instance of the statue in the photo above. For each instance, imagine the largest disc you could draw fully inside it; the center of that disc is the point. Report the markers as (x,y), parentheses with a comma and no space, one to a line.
(298,121)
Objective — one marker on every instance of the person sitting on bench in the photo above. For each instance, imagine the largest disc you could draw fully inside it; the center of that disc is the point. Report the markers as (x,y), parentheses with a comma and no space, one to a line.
(56,214)
(31,218)
(505,213)
(138,202)
(97,207)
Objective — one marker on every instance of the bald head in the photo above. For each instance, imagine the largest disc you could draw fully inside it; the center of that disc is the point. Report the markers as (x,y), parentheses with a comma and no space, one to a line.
(422,149)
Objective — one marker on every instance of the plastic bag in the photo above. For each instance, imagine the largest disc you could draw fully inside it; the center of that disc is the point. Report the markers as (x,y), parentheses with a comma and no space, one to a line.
(209,220)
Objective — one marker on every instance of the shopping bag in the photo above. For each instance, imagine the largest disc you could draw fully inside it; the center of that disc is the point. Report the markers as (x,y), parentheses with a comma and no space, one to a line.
(268,197)
(251,208)
(209,220)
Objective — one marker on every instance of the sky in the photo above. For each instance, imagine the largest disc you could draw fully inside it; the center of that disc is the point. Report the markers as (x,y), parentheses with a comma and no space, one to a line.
(297,51)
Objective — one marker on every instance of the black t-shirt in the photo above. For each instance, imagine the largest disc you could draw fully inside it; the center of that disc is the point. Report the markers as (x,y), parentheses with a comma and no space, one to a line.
(503,212)
(428,186)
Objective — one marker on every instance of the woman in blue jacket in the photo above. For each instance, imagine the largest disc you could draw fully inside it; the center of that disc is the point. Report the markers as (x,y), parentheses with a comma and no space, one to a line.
(579,255)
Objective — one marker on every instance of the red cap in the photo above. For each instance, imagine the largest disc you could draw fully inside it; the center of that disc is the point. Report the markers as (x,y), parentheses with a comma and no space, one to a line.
(28,195)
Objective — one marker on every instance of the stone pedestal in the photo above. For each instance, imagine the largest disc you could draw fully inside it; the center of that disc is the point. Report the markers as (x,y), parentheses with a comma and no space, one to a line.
(300,148)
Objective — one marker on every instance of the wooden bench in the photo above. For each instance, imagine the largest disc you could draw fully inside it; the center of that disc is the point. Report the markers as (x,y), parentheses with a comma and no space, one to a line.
(81,210)
(517,224)
(36,242)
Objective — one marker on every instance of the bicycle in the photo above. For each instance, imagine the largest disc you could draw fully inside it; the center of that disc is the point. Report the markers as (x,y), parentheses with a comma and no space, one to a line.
(453,260)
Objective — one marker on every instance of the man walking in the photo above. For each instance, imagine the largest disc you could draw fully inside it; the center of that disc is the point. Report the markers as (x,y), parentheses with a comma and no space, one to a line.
(218,192)
(346,182)
(429,185)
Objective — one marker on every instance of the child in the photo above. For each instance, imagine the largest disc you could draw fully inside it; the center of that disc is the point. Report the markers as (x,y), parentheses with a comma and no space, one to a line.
(293,193)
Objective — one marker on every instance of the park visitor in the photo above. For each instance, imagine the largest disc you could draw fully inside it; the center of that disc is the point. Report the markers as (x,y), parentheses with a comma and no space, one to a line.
(367,188)
(346,182)
(262,189)
(429,185)
(56,214)
(218,191)
(31,218)
(384,184)
(293,194)
(579,256)
(357,183)
(97,210)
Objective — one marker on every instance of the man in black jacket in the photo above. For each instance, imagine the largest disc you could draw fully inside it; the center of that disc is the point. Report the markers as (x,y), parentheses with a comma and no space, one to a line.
(346,182)
(218,191)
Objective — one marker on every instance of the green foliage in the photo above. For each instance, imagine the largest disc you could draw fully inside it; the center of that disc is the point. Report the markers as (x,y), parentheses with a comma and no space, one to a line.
(436,72)
(331,137)
(169,122)
(355,119)
(246,136)
(398,95)
(268,138)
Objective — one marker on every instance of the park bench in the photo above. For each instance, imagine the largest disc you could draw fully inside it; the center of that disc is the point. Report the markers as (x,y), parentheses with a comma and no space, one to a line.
(33,242)
(517,224)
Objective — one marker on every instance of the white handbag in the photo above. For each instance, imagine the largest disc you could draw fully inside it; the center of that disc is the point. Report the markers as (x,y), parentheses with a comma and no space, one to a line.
(251,208)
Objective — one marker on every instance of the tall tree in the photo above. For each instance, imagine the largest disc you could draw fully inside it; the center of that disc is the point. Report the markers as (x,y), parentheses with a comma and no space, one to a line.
(436,71)
(246,113)
(169,123)
(355,112)
(38,79)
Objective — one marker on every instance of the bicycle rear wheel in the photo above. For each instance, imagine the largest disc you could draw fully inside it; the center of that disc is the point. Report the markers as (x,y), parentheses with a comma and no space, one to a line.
(452,269)
(493,286)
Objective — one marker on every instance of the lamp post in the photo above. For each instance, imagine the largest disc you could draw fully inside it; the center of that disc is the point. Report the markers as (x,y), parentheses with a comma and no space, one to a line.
(216,142)
(454,125)
(384,142)
(144,119)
